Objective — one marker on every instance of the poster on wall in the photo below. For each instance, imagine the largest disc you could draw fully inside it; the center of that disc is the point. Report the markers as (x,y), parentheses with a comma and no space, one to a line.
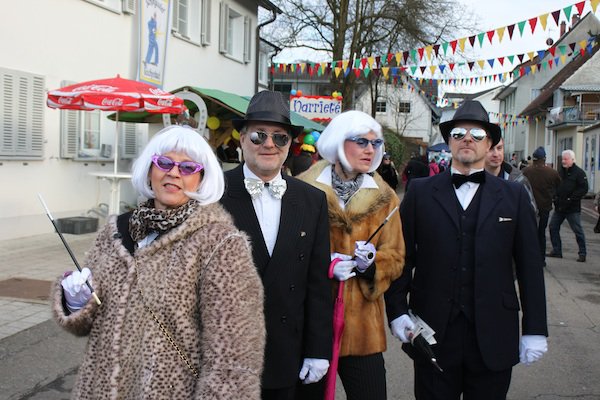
(317,108)
(154,29)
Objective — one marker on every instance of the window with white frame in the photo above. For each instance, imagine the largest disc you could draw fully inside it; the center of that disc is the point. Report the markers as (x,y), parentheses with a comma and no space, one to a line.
(22,107)
(404,107)
(112,5)
(191,20)
(235,34)
(263,68)
(380,106)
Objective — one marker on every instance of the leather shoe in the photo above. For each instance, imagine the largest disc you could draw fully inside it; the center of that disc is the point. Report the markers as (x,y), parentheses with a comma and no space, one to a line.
(553,254)
(581,259)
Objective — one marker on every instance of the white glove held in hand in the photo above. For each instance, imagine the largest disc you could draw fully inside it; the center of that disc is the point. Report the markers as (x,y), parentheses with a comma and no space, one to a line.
(365,255)
(401,327)
(343,270)
(532,348)
(75,290)
(313,369)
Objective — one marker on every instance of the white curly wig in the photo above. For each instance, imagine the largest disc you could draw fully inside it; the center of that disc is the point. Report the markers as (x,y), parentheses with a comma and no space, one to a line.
(181,139)
(347,125)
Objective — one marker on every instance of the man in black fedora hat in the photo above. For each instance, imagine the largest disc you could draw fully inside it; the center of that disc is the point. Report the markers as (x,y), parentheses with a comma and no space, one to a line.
(287,222)
(462,285)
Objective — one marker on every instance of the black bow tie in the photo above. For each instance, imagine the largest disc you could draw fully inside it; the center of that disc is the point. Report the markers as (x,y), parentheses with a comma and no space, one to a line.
(476,177)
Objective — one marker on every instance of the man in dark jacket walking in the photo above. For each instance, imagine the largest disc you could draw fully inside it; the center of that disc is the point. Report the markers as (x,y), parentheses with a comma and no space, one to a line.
(544,181)
(567,205)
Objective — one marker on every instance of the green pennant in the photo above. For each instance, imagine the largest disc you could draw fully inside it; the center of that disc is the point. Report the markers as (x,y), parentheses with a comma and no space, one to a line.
(413,55)
(516,73)
(480,38)
(567,11)
(366,71)
(563,48)
(413,69)
(445,47)
(545,65)
(511,58)
(521,27)
(357,63)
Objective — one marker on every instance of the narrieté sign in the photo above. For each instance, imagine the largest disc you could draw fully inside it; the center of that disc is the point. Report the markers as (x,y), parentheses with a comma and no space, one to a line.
(318,108)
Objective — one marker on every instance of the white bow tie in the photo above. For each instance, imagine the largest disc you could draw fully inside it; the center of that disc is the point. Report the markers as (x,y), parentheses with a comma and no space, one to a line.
(255,187)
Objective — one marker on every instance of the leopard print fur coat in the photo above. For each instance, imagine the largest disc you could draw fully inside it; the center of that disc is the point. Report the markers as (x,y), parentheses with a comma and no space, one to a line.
(200,281)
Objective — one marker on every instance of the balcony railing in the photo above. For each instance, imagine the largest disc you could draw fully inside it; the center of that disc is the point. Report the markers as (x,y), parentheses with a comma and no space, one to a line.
(585,113)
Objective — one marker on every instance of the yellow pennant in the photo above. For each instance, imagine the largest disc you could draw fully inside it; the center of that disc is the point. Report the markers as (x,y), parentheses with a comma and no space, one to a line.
(594,4)
(500,32)
(481,63)
(432,68)
(530,55)
(563,58)
(345,64)
(324,66)
(385,71)
(461,43)
(302,67)
(428,50)
(398,58)
(543,20)
(337,71)
(583,44)
(533,69)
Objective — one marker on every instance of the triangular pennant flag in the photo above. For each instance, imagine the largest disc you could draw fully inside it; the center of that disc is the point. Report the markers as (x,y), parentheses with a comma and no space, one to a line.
(347,71)
(552,50)
(385,71)
(501,59)
(563,58)
(398,58)
(390,57)
(520,57)
(451,66)
(490,35)
(455,42)
(363,62)
(562,48)
(471,65)
(481,63)
(594,4)
(530,55)
(422,69)
(378,60)
(371,60)
(432,68)
(491,62)
(413,70)
(339,64)
(510,28)
(337,71)
(541,54)
(405,55)
(377,71)
(436,49)
(442,68)
(480,38)
(580,6)
(428,50)
(319,70)
(413,55)
(547,63)
(533,69)
(472,40)
(461,43)
(567,11)
(521,27)
(556,16)
(345,64)
(583,44)
(357,71)
(445,46)
(572,46)
(556,61)
(366,71)
(511,59)
(500,32)
(544,20)
(582,52)
(357,63)
(533,23)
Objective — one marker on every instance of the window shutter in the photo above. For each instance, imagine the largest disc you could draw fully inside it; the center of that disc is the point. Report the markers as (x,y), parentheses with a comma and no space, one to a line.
(129,6)
(175,24)
(205,23)
(21,114)
(70,126)
(129,144)
(223,22)
(247,39)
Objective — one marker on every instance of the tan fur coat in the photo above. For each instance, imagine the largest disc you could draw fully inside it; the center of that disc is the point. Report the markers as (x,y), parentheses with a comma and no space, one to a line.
(364,331)
(200,280)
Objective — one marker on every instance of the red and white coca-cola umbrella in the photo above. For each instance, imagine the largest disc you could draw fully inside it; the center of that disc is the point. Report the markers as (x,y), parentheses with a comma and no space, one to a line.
(115,94)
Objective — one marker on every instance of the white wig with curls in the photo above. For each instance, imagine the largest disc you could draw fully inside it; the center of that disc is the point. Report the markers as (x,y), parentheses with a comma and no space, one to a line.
(181,139)
(347,125)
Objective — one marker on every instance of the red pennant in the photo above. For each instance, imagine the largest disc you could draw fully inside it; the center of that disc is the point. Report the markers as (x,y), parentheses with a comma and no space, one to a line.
(556,16)
(420,51)
(363,62)
(472,40)
(272,69)
(339,64)
(511,29)
(453,45)
(451,66)
(550,63)
(390,56)
(582,52)
(552,50)
(533,23)
(501,60)
(580,6)
(490,35)
(521,71)
(357,72)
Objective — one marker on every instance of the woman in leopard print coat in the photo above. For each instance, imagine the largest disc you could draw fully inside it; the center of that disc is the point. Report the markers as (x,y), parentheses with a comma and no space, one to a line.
(182,304)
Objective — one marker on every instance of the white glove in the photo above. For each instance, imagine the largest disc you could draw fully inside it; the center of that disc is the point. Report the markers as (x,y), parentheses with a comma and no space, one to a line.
(344,270)
(313,369)
(402,327)
(75,290)
(532,348)
(365,255)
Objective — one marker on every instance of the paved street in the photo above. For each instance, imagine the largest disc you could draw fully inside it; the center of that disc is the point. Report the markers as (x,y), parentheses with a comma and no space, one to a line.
(39,361)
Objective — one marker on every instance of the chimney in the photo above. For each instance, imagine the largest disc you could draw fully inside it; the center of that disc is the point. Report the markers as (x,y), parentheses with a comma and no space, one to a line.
(574,20)
(563,28)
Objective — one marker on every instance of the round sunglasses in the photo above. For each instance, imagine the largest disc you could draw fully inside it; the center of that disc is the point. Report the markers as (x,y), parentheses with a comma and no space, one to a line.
(478,134)
(280,139)
(165,164)
(364,142)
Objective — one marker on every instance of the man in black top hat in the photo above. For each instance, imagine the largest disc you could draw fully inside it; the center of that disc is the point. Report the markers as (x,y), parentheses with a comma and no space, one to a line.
(463,286)
(287,222)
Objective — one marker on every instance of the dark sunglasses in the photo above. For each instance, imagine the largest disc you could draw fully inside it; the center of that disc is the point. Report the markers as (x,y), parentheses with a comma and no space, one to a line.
(165,164)
(364,142)
(280,139)
(478,134)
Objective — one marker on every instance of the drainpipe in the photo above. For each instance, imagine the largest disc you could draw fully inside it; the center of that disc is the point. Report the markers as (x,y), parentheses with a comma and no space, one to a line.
(267,22)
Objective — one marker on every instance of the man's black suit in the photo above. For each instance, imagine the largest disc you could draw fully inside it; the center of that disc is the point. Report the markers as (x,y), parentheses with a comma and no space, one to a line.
(298,305)
(505,229)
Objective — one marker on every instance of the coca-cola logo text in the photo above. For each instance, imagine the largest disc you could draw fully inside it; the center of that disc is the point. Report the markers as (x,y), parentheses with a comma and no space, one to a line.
(116,102)
(165,102)
(95,88)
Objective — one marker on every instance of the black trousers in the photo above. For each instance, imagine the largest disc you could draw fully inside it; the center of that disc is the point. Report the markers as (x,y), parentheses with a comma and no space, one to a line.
(363,378)
(278,394)
(464,370)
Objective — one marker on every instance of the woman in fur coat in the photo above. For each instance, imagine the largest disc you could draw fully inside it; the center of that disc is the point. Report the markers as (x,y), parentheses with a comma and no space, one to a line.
(182,303)
(359,200)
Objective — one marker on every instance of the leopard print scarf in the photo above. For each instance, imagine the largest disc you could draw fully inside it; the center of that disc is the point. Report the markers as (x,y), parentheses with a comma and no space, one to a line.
(146,219)
(345,189)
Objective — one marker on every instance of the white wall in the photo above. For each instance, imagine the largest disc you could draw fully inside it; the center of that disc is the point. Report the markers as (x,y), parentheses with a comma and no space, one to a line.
(77,41)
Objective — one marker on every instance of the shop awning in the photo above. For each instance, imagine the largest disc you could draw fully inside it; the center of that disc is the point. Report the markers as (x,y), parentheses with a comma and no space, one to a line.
(222,104)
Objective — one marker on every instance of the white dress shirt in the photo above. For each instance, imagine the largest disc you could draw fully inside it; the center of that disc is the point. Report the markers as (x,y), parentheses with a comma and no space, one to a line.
(268,211)
(367,183)
(467,190)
